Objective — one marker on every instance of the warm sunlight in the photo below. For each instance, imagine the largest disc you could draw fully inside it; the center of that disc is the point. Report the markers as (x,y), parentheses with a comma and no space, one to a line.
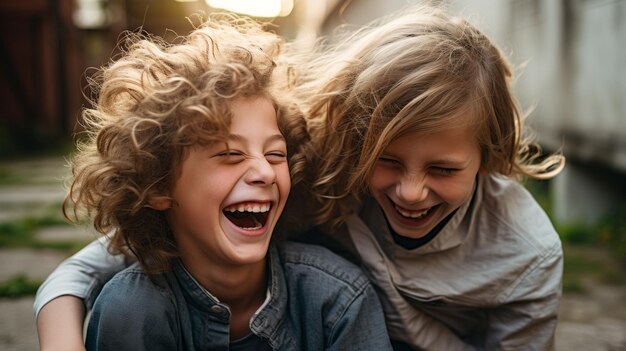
(256,8)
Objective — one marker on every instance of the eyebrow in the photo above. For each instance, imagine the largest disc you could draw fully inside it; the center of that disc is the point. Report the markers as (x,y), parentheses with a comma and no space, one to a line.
(442,161)
(455,163)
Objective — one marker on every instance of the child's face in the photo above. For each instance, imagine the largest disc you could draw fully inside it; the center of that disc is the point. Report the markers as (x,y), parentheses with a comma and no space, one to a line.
(421,178)
(227,204)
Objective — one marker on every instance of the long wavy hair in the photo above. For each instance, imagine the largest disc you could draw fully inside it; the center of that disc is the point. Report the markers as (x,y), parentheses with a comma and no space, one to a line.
(153,103)
(418,71)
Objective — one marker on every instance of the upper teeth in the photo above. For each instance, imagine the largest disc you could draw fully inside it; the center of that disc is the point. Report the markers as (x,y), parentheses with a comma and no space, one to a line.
(410,214)
(249,207)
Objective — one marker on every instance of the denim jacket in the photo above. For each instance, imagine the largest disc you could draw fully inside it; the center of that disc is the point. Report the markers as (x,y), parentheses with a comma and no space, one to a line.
(317,301)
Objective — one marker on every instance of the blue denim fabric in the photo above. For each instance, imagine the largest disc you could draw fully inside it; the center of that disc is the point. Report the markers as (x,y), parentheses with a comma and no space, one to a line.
(318,301)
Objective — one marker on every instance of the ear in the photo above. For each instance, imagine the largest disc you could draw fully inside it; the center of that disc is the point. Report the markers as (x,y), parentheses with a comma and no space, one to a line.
(160,203)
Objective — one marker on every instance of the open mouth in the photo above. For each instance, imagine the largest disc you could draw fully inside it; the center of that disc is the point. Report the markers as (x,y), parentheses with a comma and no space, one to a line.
(412,214)
(248,215)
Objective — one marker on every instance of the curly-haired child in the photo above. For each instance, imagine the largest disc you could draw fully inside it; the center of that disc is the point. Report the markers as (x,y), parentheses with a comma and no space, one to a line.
(185,168)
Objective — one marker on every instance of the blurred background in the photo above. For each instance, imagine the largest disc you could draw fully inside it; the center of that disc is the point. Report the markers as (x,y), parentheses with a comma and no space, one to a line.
(571,56)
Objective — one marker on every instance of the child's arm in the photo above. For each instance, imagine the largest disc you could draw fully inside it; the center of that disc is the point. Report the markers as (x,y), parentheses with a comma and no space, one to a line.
(55,335)
(61,299)
(529,320)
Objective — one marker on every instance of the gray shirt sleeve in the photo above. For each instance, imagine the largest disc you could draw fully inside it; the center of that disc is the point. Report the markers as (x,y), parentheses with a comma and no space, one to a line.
(529,321)
(81,275)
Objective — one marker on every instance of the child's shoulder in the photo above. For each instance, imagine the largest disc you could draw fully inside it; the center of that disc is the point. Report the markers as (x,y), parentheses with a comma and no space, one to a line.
(507,196)
(498,186)
(314,260)
(509,208)
(133,287)
(135,309)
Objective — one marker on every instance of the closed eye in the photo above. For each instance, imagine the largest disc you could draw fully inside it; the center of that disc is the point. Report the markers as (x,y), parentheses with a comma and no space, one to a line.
(231,156)
(276,156)
(445,170)
(386,161)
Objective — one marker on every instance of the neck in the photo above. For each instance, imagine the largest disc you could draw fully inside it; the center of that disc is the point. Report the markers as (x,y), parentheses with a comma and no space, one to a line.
(235,285)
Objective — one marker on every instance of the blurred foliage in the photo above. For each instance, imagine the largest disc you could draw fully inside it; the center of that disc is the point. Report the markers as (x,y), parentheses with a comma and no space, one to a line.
(19,285)
(584,265)
(609,231)
(584,245)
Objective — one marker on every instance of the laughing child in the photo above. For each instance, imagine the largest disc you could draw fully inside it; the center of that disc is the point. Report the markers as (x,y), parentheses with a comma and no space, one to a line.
(421,141)
(185,164)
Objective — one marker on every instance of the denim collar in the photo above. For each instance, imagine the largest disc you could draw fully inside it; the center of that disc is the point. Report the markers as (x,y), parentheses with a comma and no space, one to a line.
(198,294)
(269,321)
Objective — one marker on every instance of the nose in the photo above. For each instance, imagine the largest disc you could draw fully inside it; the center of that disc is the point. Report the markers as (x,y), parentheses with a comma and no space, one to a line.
(260,172)
(412,188)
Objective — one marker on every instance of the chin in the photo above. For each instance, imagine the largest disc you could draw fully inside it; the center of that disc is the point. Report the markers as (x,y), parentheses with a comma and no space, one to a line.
(251,255)
(410,234)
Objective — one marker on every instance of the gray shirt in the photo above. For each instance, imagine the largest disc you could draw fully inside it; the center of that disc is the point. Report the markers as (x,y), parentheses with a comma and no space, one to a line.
(490,279)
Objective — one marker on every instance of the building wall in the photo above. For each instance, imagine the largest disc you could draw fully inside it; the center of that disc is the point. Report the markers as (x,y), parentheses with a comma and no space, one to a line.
(34,74)
(574,75)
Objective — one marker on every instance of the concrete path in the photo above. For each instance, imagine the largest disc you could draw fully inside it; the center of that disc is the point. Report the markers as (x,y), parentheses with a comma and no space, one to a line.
(35,187)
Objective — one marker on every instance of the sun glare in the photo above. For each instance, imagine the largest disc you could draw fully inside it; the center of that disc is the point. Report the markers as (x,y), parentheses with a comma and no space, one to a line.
(256,8)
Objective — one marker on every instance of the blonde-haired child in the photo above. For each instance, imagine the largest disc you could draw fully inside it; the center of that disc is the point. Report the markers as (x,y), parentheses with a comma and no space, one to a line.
(185,168)
(416,141)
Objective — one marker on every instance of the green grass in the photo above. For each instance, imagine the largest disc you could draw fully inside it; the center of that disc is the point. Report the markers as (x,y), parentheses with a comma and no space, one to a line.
(21,232)
(9,178)
(585,264)
(608,232)
(18,285)
(592,252)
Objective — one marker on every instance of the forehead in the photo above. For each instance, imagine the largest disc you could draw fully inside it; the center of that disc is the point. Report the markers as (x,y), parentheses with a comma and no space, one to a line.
(452,140)
(253,115)
(417,126)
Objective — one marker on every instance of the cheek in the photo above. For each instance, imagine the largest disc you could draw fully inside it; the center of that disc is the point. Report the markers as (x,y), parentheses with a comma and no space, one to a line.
(382,179)
(218,183)
(283,179)
(456,192)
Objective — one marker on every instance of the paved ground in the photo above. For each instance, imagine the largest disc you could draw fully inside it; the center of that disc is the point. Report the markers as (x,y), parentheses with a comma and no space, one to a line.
(595,321)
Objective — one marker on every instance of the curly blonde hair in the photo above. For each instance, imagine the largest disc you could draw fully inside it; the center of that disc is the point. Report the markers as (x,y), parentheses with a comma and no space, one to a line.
(153,103)
(422,71)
